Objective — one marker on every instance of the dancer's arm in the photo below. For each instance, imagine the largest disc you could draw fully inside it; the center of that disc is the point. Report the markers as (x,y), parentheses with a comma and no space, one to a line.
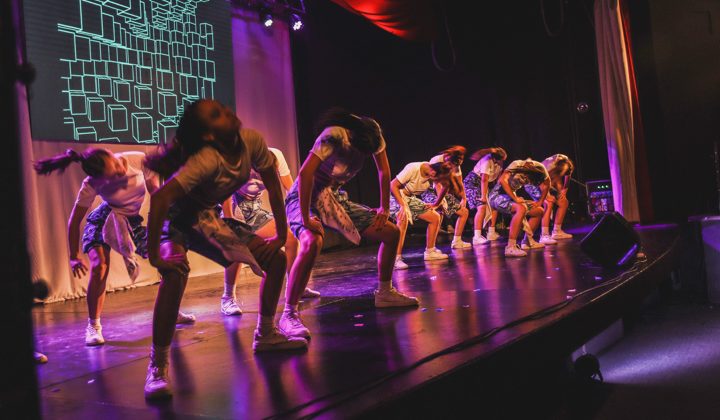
(160,202)
(227,207)
(443,191)
(271,180)
(504,181)
(306,178)
(544,188)
(77,265)
(383,169)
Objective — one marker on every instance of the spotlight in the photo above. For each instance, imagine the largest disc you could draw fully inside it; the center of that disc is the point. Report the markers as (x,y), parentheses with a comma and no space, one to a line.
(266,18)
(295,22)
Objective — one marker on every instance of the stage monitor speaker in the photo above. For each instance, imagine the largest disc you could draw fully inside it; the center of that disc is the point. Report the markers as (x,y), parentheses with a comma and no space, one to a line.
(612,241)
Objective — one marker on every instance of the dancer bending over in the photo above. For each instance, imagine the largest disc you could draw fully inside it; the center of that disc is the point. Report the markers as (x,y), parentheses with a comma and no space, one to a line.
(407,205)
(315,202)
(121,180)
(478,184)
(560,169)
(245,205)
(504,199)
(209,159)
(455,200)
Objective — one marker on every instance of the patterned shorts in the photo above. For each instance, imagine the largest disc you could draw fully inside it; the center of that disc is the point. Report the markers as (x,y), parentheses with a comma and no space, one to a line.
(473,190)
(415,203)
(251,212)
(452,203)
(93,232)
(361,216)
(533,191)
(179,230)
(499,200)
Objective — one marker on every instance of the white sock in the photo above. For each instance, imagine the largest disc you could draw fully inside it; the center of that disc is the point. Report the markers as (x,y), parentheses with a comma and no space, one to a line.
(94,322)
(229,291)
(291,308)
(159,355)
(265,323)
(457,238)
(491,229)
(427,249)
(384,286)
(557,228)
(478,233)
(512,243)
(398,257)
(546,230)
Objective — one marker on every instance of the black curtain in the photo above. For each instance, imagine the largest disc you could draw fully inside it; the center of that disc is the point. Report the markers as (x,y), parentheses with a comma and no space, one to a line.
(507,75)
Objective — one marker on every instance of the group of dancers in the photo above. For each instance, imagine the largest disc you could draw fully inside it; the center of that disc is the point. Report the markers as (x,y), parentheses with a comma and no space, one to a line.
(214,174)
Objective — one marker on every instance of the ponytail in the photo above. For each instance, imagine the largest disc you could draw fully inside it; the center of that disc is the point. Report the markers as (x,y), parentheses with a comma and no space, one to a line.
(92,161)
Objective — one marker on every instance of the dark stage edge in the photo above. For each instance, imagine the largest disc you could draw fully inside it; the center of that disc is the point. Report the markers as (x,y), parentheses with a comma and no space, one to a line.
(354,346)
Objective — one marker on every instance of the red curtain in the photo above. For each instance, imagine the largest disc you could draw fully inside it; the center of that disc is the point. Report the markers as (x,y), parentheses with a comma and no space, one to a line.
(642,172)
(409,19)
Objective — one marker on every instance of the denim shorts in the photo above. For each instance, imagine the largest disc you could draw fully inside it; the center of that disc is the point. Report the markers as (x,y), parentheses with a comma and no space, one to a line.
(251,211)
(453,203)
(178,229)
(93,232)
(415,204)
(361,216)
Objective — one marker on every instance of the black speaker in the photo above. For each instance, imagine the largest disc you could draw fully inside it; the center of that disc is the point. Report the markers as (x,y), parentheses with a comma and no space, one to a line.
(612,241)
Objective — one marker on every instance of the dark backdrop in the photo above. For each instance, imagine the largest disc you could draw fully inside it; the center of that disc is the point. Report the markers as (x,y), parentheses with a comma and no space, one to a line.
(676,46)
(513,84)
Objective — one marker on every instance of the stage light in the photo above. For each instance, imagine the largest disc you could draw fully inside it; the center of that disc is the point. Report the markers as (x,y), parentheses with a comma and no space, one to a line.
(295,22)
(266,18)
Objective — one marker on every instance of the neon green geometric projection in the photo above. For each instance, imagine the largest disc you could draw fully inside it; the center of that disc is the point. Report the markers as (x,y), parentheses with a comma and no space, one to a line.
(135,65)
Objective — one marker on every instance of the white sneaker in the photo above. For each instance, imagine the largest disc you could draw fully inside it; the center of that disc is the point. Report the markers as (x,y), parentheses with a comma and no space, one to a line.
(547,240)
(157,382)
(514,251)
(492,236)
(184,318)
(460,245)
(400,264)
(229,306)
(291,325)
(93,336)
(434,254)
(310,293)
(480,240)
(392,298)
(560,234)
(275,340)
(532,245)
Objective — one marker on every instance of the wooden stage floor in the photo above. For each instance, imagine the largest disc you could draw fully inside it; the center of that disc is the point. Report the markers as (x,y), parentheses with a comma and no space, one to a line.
(359,357)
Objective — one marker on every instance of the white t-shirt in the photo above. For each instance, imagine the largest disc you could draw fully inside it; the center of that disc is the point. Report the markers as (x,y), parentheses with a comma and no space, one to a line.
(209,179)
(124,194)
(255,186)
(411,178)
(520,171)
(441,158)
(486,165)
(550,162)
(340,161)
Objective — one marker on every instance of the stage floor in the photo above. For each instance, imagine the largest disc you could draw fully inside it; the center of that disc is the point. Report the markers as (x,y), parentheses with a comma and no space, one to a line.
(215,373)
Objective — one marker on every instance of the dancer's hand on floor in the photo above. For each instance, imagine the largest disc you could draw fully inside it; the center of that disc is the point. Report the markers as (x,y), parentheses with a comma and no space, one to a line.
(174,262)
(78,267)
